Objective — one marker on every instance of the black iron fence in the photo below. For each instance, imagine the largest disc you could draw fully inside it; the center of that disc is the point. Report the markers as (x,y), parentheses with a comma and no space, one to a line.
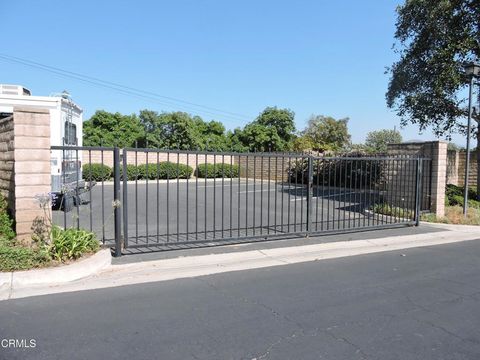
(169,199)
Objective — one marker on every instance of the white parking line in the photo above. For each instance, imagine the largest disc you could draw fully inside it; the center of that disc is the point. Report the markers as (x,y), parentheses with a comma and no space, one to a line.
(327,196)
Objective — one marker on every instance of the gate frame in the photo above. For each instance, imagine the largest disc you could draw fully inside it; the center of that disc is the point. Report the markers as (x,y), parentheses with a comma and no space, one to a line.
(121,206)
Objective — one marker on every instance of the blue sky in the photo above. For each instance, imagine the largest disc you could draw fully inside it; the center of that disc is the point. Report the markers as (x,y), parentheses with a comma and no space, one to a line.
(314,57)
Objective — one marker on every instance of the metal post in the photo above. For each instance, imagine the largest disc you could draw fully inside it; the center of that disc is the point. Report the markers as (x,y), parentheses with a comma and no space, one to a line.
(116,202)
(125,197)
(467,163)
(309,194)
(418,183)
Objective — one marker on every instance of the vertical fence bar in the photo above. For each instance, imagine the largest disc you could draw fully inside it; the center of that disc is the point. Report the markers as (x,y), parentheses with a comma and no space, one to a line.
(309,194)
(418,189)
(276,192)
(196,196)
(261,194)
(168,198)
(355,194)
(103,201)
(238,199)
(214,194)
(146,196)
(304,182)
(231,192)
(283,193)
(125,198)
(90,189)
(268,194)
(323,193)
(178,195)
(205,214)
(329,192)
(158,196)
(223,194)
(350,191)
(254,190)
(317,194)
(371,163)
(116,198)
(77,194)
(187,203)
(246,195)
(136,193)
(289,191)
(344,196)
(64,189)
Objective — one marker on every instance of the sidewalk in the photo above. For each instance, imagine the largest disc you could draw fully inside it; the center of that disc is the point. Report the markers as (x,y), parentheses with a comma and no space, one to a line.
(176,265)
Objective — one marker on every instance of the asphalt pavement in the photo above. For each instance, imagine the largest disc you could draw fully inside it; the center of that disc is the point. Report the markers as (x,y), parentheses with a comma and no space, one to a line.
(418,303)
(176,212)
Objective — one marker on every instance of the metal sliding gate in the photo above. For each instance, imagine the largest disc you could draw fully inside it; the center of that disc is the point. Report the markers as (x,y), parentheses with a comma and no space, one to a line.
(173,199)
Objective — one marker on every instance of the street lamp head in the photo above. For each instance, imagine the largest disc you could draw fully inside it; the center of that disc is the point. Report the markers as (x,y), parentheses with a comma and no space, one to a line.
(472,68)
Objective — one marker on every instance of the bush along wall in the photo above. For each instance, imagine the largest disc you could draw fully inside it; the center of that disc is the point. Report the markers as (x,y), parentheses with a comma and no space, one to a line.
(164,170)
(97,172)
(217,170)
(338,172)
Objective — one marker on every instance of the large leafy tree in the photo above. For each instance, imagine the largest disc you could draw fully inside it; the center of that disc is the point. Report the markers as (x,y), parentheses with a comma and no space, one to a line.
(427,85)
(112,129)
(181,130)
(326,133)
(378,140)
(280,120)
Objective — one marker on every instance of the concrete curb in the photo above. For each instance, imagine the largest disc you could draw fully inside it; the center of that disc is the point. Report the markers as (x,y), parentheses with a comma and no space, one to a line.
(201,265)
(11,281)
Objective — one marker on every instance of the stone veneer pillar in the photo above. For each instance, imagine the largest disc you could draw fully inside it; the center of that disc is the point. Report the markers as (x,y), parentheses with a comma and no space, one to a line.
(31,167)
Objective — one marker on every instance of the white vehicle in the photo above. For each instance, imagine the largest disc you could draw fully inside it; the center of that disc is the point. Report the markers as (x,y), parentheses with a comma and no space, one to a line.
(66,129)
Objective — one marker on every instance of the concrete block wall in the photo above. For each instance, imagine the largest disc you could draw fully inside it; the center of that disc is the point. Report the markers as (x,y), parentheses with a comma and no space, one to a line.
(140,158)
(271,167)
(472,178)
(7,187)
(453,160)
(435,182)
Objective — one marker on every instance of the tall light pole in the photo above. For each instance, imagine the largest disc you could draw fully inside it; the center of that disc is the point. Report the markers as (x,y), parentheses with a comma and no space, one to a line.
(472,70)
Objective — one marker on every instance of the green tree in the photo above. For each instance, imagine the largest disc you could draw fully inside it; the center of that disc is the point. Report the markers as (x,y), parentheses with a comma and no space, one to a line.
(327,133)
(112,129)
(434,39)
(282,121)
(377,141)
(302,143)
(174,130)
(258,137)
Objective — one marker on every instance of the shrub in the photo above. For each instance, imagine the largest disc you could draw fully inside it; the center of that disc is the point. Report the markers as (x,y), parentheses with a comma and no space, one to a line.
(338,172)
(6,223)
(13,258)
(454,196)
(71,243)
(165,170)
(217,170)
(454,215)
(133,172)
(386,209)
(96,172)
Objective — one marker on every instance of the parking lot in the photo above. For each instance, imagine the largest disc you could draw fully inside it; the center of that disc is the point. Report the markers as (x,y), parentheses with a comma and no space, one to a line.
(182,211)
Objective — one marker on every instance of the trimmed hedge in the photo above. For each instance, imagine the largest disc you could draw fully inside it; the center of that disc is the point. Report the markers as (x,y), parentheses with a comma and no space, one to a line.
(217,170)
(133,172)
(97,172)
(338,172)
(165,170)
(454,196)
